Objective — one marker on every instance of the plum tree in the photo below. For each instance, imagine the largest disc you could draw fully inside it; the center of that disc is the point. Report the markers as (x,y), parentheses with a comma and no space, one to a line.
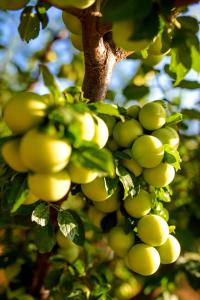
(101,133)
(44,153)
(95,190)
(120,241)
(122,33)
(143,259)
(11,155)
(139,205)
(167,135)
(169,251)
(13,5)
(149,156)
(79,174)
(160,176)
(54,186)
(24,111)
(124,133)
(111,204)
(152,116)
(153,230)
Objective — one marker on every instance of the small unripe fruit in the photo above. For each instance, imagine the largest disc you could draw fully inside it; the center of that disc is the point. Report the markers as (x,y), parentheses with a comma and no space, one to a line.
(109,205)
(143,259)
(72,23)
(138,206)
(152,116)
(101,133)
(10,153)
(133,111)
(49,187)
(79,174)
(169,251)
(75,202)
(152,60)
(160,176)
(30,199)
(167,135)
(148,151)
(86,126)
(95,216)
(153,230)
(77,42)
(126,132)
(119,241)
(131,164)
(95,190)
(155,47)
(24,111)
(110,122)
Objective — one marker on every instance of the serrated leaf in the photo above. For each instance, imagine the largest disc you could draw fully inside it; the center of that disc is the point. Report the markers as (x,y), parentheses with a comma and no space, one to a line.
(71,226)
(45,238)
(174,118)
(105,108)
(127,181)
(40,215)
(51,83)
(29,26)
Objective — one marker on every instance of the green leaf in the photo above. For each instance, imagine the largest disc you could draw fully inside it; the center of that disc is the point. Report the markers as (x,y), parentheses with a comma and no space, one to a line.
(71,226)
(51,83)
(105,108)
(127,181)
(16,192)
(174,118)
(116,10)
(177,66)
(195,54)
(189,23)
(172,157)
(29,26)
(189,84)
(94,158)
(40,215)
(162,194)
(45,238)
(133,91)
(191,113)
(111,185)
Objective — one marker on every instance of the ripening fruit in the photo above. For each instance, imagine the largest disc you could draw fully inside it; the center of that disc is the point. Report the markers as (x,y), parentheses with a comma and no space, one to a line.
(152,60)
(155,47)
(79,174)
(138,206)
(49,187)
(160,176)
(75,202)
(10,153)
(152,116)
(169,251)
(101,133)
(13,5)
(119,241)
(95,190)
(69,250)
(112,145)
(44,153)
(122,33)
(82,4)
(131,164)
(77,42)
(109,205)
(24,111)
(167,135)
(128,289)
(153,230)
(95,216)
(143,259)
(148,151)
(126,132)
(110,122)
(30,199)
(72,23)
(86,126)
(133,111)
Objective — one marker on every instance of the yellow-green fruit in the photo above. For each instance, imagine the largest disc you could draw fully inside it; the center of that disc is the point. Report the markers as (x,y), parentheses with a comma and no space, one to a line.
(79,174)
(152,116)
(143,259)
(131,164)
(68,249)
(30,199)
(122,33)
(10,153)
(133,111)
(169,251)
(112,144)
(110,122)
(167,135)
(101,133)
(148,151)
(119,241)
(76,202)
(77,42)
(44,153)
(153,230)
(139,205)
(24,111)
(86,126)
(49,187)
(155,47)
(125,291)
(72,23)
(109,205)
(152,60)
(82,4)
(95,216)
(13,5)
(95,190)
(159,176)
(126,132)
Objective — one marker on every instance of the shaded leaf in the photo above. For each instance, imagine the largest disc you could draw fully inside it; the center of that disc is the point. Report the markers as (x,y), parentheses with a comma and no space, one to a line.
(29,26)
(45,238)
(40,215)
